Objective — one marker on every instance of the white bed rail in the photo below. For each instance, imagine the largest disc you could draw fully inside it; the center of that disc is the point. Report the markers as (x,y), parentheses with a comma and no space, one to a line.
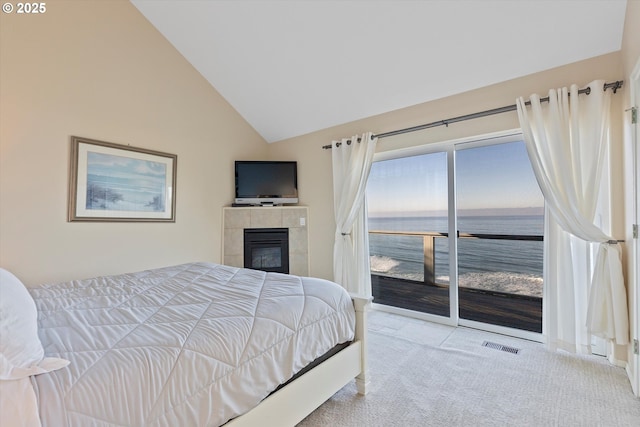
(362,305)
(292,403)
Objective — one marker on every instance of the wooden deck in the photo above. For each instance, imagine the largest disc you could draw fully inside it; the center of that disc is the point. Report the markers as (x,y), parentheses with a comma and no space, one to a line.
(497,308)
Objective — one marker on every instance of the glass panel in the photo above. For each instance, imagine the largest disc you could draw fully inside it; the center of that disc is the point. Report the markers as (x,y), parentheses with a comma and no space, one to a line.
(408,208)
(500,210)
(266,257)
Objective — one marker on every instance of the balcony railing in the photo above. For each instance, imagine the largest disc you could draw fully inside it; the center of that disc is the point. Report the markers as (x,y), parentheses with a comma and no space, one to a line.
(522,310)
(429,246)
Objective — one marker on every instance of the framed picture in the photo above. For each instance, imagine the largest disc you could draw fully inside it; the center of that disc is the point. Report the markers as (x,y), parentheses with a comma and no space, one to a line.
(112,182)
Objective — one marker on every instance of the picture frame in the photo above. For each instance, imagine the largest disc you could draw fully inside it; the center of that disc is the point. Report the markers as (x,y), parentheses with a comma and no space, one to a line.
(118,183)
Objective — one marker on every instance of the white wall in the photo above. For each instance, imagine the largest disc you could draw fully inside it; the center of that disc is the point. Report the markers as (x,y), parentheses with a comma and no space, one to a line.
(100,70)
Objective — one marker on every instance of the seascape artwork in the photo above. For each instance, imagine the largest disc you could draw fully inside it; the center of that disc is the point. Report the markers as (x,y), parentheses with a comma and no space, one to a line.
(118,183)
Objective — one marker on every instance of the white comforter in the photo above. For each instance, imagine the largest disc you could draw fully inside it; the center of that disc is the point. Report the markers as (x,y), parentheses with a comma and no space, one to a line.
(190,345)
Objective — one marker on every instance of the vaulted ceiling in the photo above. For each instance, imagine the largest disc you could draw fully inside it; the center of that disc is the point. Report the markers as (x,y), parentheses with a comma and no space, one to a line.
(294,67)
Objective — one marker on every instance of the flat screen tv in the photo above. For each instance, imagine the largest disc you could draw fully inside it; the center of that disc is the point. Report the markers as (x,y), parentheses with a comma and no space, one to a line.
(266,182)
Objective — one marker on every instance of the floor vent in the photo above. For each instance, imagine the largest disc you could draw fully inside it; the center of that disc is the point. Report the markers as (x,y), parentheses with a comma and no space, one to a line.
(501,347)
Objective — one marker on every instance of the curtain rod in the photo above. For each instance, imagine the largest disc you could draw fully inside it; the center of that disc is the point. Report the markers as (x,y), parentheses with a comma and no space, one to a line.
(613,85)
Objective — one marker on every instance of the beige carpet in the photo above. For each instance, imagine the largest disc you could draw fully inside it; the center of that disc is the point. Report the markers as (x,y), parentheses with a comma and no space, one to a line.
(423,375)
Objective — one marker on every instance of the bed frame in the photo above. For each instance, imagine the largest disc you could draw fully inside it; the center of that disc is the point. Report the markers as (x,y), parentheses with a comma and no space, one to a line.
(293,402)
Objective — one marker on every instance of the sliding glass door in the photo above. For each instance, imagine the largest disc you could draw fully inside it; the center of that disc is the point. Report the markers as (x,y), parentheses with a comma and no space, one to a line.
(500,220)
(456,232)
(408,203)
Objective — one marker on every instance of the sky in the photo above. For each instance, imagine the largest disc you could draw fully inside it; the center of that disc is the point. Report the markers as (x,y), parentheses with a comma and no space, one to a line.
(136,180)
(489,179)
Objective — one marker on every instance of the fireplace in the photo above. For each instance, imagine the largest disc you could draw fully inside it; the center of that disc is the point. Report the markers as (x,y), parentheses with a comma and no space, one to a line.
(267,249)
(293,218)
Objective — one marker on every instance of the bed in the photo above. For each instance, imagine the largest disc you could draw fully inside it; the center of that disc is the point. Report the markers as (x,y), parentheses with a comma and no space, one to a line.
(196,344)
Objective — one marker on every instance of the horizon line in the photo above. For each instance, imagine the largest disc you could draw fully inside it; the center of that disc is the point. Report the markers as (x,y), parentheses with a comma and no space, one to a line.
(528,211)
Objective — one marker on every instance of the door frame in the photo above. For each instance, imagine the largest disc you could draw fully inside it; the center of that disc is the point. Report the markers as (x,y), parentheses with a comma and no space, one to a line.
(512,135)
(633,364)
(450,147)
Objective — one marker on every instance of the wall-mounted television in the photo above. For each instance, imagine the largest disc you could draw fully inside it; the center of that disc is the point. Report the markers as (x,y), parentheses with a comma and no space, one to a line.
(266,182)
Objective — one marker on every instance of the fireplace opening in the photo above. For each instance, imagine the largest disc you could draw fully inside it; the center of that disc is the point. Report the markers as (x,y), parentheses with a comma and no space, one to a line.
(267,249)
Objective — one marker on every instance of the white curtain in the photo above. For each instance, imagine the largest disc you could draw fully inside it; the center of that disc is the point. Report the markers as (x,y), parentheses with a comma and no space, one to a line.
(568,143)
(352,158)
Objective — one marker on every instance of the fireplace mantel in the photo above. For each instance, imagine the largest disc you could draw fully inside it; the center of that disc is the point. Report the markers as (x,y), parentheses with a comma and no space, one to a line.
(295,218)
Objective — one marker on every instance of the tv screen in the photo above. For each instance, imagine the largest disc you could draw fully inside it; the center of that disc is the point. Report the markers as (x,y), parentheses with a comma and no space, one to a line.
(266,182)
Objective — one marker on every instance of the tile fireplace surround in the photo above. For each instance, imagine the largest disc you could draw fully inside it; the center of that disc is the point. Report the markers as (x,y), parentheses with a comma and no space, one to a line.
(295,218)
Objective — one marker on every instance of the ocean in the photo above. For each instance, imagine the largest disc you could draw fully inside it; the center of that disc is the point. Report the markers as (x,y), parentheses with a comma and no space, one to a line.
(511,266)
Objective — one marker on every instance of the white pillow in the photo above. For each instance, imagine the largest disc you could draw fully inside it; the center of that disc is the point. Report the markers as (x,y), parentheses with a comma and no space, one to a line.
(21,353)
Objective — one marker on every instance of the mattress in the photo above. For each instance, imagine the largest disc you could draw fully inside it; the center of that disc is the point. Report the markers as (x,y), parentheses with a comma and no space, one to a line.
(195,344)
